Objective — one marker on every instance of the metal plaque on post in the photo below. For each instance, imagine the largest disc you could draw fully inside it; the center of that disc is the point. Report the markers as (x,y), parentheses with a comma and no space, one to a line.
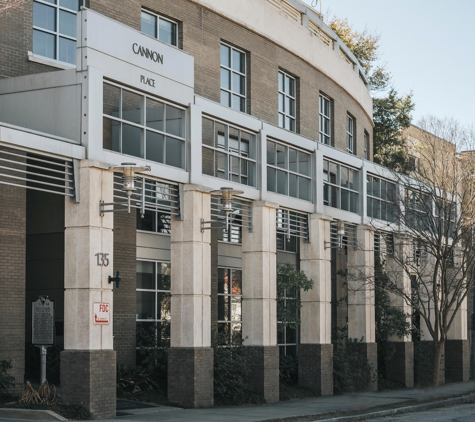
(42,323)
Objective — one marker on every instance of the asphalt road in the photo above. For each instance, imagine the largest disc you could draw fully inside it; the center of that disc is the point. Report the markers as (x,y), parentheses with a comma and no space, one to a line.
(455,413)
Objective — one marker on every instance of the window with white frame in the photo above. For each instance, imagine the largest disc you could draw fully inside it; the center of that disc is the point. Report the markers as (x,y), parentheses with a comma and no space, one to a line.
(289,171)
(340,186)
(287,102)
(418,209)
(325,120)
(233,77)
(287,336)
(366,145)
(143,126)
(230,305)
(153,299)
(159,27)
(350,134)
(229,152)
(381,199)
(54,29)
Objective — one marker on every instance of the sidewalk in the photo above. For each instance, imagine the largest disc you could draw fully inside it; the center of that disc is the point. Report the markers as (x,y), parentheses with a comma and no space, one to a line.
(326,408)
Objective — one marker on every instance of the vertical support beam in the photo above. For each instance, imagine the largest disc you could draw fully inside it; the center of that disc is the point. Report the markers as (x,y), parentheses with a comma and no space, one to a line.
(259,308)
(315,349)
(190,357)
(88,363)
(361,312)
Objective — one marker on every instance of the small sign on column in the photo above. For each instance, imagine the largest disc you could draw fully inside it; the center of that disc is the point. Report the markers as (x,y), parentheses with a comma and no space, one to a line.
(101,313)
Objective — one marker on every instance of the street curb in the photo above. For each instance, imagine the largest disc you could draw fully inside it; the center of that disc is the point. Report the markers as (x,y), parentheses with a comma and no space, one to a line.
(468,398)
(30,414)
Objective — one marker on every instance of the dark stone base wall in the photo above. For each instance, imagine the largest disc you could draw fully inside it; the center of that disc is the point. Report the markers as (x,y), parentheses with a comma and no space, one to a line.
(424,364)
(370,351)
(190,376)
(457,361)
(265,372)
(400,368)
(88,378)
(316,367)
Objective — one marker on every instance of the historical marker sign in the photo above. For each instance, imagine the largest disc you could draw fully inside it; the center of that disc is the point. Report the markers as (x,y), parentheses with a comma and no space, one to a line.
(101,313)
(42,323)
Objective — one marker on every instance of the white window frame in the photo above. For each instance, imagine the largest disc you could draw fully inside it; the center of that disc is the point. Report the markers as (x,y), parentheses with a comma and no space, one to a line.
(338,187)
(232,71)
(376,195)
(350,134)
(157,26)
(287,120)
(56,33)
(366,145)
(324,137)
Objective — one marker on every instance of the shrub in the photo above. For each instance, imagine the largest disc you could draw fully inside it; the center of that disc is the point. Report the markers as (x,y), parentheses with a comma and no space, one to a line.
(6,380)
(132,378)
(288,369)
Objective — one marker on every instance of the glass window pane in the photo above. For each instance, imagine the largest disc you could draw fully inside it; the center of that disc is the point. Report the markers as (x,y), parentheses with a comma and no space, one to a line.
(281,156)
(281,120)
(111,100)
(155,111)
(291,107)
(225,51)
(163,310)
(167,31)
(293,159)
(147,222)
(239,84)
(345,200)
(164,273)
(145,305)
(223,308)
(344,177)
(222,280)
(175,152)
(234,165)
(238,103)
(132,107)
(282,103)
(44,44)
(304,163)
(111,134)
(225,79)
(271,179)
(236,308)
(132,141)
(293,185)
(291,87)
(304,188)
(207,132)
(281,81)
(281,182)
(225,98)
(353,202)
(44,16)
(149,24)
(207,161)
(67,23)
(233,139)
(238,62)
(70,4)
(67,50)
(175,123)
(155,147)
(145,275)
(236,277)
(271,153)
(248,145)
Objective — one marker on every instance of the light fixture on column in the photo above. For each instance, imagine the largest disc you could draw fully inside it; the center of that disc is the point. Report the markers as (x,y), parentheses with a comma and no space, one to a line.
(227,204)
(340,232)
(128,171)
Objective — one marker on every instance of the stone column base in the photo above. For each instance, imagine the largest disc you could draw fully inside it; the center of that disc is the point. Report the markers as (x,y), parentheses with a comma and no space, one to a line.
(400,368)
(369,351)
(190,376)
(424,364)
(264,377)
(88,378)
(457,361)
(316,368)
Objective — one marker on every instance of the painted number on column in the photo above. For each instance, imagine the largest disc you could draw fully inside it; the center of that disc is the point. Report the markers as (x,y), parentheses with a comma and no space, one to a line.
(102,259)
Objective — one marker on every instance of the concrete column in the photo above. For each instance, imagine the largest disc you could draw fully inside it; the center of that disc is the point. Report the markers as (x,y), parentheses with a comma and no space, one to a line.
(88,363)
(400,368)
(315,349)
(457,352)
(190,357)
(361,317)
(259,310)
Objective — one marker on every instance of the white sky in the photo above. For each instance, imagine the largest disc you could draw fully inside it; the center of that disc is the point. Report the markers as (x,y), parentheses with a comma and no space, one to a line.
(427,46)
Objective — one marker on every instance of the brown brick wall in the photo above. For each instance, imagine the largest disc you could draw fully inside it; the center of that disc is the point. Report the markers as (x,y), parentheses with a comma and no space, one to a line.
(316,367)
(264,377)
(370,351)
(400,368)
(124,297)
(457,361)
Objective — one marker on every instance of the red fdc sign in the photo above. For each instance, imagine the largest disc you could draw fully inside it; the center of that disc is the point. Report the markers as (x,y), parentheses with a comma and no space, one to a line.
(101,313)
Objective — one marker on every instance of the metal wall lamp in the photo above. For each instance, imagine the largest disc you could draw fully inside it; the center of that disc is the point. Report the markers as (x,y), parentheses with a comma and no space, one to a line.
(128,171)
(227,204)
(340,233)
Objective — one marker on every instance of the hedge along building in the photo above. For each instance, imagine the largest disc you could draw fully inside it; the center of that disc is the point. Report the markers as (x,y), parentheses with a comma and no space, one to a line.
(261,97)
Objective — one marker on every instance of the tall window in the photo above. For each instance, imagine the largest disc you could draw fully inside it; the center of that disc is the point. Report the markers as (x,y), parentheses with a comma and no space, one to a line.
(160,27)
(229,152)
(325,120)
(289,171)
(142,126)
(366,145)
(230,305)
(153,300)
(233,78)
(381,199)
(287,336)
(350,134)
(287,107)
(54,29)
(340,186)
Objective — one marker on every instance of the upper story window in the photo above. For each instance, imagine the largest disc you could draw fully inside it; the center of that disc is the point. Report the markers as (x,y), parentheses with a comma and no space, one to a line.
(325,120)
(340,186)
(381,197)
(350,134)
(229,152)
(54,29)
(159,27)
(366,145)
(233,78)
(287,102)
(142,126)
(289,171)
